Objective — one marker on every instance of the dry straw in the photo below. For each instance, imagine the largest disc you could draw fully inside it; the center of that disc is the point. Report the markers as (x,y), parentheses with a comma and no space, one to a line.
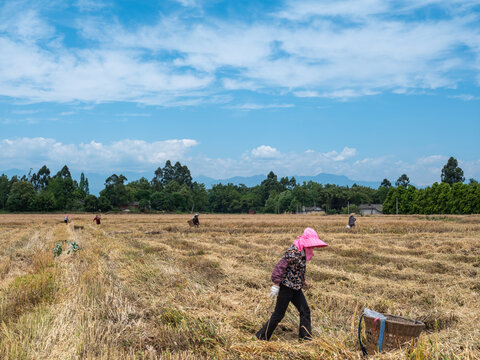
(151,287)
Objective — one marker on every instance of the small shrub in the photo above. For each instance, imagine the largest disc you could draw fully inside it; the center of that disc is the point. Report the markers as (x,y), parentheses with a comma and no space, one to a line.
(58,249)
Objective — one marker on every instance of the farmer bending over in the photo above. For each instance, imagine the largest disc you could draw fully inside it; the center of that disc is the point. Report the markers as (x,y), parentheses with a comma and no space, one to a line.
(288,277)
(97,219)
(351,221)
(195,220)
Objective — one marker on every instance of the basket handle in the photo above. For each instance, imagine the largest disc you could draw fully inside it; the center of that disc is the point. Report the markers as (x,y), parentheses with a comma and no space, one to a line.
(364,351)
(382,333)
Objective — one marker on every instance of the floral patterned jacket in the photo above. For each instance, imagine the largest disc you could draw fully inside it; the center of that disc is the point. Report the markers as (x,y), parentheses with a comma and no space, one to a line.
(290,270)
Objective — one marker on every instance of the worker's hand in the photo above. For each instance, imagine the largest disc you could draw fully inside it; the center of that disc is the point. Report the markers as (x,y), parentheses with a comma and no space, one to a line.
(306,285)
(274,291)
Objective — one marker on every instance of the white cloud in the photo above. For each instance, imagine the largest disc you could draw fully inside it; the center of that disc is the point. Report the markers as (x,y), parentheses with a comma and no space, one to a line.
(138,155)
(90,5)
(306,93)
(187,3)
(471,169)
(346,153)
(265,152)
(432,159)
(127,155)
(318,58)
(24,112)
(358,9)
(465,97)
(252,106)
(346,94)
(421,171)
(265,158)
(298,10)
(134,115)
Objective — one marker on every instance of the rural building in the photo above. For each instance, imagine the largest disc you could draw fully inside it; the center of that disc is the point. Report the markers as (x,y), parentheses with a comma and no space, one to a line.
(370,209)
(132,205)
(311,209)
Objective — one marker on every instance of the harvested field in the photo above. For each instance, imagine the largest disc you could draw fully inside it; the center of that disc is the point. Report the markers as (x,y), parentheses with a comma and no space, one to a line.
(151,287)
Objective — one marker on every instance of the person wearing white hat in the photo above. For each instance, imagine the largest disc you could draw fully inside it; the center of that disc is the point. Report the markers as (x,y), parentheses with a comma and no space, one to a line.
(195,220)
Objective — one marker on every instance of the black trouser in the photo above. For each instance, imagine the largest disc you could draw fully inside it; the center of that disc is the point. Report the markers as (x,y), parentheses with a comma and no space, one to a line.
(297,298)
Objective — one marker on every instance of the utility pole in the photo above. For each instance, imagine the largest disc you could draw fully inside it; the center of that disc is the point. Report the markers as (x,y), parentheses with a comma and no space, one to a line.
(348,207)
(397,204)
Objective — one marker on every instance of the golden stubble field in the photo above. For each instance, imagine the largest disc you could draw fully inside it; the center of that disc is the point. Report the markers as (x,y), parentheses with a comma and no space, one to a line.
(150,287)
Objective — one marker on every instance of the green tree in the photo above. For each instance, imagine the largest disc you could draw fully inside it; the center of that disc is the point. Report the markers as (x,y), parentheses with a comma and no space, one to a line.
(158,200)
(269,185)
(157,180)
(21,197)
(90,203)
(144,205)
(104,204)
(62,189)
(403,180)
(288,184)
(381,194)
(224,198)
(42,178)
(83,184)
(452,173)
(115,190)
(182,174)
(4,190)
(199,197)
(168,173)
(140,188)
(386,183)
(45,201)
(64,173)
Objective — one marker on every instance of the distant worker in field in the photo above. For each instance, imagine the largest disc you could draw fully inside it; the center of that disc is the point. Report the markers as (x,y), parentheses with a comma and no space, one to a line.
(195,220)
(288,277)
(67,219)
(97,219)
(351,221)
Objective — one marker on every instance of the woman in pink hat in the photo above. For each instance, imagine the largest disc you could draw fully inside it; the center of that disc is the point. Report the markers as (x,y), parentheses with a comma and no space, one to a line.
(288,277)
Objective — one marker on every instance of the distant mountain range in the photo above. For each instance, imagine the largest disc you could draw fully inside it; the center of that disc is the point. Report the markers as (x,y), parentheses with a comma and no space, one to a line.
(97,181)
(321,178)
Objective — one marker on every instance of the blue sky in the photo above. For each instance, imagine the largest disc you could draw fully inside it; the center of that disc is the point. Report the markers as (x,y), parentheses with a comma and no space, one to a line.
(370,89)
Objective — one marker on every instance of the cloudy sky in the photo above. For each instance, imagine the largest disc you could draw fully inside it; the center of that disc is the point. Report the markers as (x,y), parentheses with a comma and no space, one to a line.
(363,88)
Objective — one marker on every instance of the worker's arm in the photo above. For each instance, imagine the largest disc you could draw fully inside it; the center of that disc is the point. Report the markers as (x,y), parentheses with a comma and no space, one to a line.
(278,272)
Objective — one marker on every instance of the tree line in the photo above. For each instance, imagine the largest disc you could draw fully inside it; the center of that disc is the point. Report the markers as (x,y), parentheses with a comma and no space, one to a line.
(451,196)
(172,189)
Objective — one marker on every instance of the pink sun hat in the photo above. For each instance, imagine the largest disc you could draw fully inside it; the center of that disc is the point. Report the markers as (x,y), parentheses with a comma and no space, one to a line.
(308,241)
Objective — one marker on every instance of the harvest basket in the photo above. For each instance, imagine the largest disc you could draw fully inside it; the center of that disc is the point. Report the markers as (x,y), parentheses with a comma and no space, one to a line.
(398,331)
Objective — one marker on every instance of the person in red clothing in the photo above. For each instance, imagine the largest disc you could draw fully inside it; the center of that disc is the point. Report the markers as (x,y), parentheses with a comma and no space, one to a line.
(97,219)
(288,277)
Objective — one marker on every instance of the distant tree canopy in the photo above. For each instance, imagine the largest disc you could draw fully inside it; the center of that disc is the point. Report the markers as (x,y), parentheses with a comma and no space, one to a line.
(452,173)
(172,189)
(178,173)
(403,180)
(440,198)
(386,183)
